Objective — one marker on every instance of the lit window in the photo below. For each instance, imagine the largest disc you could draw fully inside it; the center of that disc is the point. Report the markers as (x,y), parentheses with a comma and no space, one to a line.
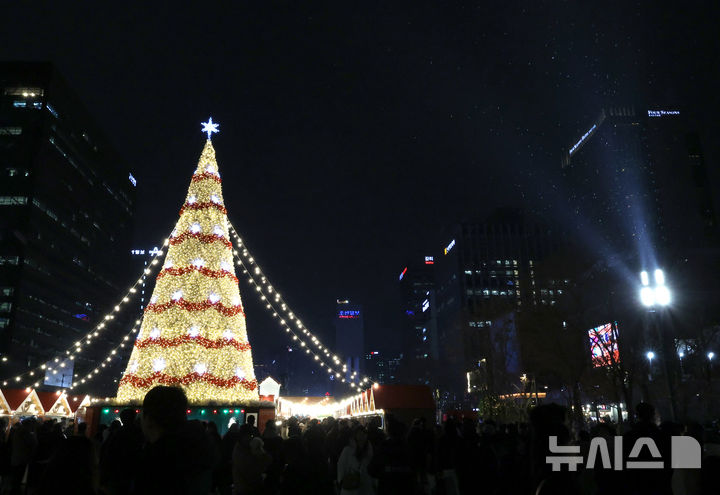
(5,307)
(4,322)
(9,260)
(13,200)
(10,131)
(19,104)
(24,92)
(7,291)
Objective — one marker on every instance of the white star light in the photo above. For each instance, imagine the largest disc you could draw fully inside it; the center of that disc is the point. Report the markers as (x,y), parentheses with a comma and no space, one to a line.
(226,266)
(195,228)
(213,297)
(134,367)
(155,333)
(198,262)
(158,365)
(177,295)
(215,199)
(191,199)
(239,373)
(210,127)
(218,231)
(228,334)
(201,368)
(194,331)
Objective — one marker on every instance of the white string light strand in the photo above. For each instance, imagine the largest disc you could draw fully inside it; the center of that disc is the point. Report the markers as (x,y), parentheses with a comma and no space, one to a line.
(265,292)
(87,339)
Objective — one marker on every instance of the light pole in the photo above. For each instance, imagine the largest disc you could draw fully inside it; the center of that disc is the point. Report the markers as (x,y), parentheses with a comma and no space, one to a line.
(681,355)
(650,355)
(657,295)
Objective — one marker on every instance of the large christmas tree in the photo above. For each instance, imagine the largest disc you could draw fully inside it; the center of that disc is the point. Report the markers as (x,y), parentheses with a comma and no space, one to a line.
(193,334)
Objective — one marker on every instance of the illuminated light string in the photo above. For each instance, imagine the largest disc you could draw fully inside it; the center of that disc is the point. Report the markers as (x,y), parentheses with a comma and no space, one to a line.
(269,297)
(87,339)
(298,340)
(115,352)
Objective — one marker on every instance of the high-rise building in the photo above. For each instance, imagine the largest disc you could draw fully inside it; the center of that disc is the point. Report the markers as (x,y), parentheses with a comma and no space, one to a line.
(66,214)
(417,287)
(485,273)
(350,337)
(637,185)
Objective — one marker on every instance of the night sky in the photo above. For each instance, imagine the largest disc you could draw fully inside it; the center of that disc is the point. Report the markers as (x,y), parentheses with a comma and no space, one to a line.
(352,138)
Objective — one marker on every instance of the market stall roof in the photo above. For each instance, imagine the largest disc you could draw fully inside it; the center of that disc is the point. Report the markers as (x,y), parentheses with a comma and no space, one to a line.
(78,401)
(15,397)
(48,399)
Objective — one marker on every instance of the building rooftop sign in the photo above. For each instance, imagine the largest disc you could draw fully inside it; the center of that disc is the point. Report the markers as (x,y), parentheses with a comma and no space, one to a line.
(662,113)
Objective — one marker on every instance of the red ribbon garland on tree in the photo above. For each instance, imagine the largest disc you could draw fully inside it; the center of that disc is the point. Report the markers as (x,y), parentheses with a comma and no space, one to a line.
(201,306)
(187,339)
(200,206)
(190,378)
(205,271)
(204,238)
(206,175)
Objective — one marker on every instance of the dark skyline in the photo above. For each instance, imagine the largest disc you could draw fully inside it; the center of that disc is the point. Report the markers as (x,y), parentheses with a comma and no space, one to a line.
(352,139)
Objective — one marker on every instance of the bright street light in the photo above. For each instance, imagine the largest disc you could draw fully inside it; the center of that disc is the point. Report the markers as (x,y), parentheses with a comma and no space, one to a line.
(711,355)
(647,296)
(681,354)
(659,294)
(650,355)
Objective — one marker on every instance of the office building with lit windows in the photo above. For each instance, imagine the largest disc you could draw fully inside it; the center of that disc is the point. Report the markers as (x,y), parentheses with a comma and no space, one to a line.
(66,218)
(486,273)
(382,369)
(419,316)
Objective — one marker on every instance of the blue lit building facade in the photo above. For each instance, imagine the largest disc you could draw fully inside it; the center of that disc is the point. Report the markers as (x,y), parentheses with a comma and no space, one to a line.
(66,218)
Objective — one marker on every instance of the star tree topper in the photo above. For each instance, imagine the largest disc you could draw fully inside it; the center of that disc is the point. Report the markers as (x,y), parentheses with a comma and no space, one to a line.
(210,127)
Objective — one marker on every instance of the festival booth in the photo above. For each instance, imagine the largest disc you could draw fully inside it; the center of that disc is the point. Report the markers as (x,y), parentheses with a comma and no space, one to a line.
(404,402)
(16,404)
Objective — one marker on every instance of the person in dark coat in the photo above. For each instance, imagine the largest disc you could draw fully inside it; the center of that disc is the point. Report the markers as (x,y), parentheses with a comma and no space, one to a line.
(119,455)
(177,457)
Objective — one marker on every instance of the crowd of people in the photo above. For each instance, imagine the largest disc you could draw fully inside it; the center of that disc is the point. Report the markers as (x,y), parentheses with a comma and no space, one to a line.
(162,452)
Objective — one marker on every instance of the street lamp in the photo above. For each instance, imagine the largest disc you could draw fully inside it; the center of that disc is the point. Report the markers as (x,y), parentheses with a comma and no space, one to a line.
(659,294)
(710,355)
(650,355)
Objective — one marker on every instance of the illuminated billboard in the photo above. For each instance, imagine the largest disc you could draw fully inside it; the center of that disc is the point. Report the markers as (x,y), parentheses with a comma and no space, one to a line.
(603,345)
(59,374)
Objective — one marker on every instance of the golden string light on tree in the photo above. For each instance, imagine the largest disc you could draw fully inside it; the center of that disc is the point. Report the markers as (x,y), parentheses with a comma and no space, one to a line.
(193,332)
